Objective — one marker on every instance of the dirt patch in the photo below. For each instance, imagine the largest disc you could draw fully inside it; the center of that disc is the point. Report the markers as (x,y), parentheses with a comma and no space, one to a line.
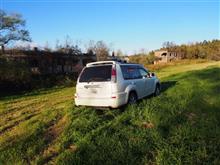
(147,125)
(72,148)
(191,117)
(55,129)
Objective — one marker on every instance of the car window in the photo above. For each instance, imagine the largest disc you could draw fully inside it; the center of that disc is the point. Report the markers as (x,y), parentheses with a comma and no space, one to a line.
(96,74)
(143,72)
(130,72)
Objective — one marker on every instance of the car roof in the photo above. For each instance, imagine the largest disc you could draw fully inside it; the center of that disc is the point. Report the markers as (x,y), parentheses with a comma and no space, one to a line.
(109,63)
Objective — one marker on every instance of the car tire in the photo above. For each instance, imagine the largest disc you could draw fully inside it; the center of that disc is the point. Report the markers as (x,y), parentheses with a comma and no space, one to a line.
(132,99)
(157,90)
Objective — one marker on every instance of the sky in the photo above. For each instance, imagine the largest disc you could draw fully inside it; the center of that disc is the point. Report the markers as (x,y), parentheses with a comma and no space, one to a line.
(129,25)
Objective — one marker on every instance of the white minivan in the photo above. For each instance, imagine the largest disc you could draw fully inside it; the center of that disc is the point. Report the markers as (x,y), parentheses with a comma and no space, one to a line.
(113,84)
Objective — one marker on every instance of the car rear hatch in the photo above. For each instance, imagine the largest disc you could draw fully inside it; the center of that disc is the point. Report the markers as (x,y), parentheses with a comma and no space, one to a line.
(96,82)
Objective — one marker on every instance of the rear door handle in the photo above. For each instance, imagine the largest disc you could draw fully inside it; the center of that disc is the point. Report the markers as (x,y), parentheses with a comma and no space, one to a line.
(133,83)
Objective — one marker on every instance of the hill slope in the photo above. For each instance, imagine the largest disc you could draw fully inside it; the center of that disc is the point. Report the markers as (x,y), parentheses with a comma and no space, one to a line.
(180,126)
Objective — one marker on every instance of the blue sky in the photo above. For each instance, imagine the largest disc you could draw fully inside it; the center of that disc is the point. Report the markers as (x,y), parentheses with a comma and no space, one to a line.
(128,25)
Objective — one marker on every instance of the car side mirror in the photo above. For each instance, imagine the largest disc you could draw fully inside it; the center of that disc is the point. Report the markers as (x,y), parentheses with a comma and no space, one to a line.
(144,76)
(148,75)
(152,74)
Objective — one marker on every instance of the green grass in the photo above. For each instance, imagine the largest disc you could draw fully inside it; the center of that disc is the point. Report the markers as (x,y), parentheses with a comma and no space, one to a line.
(183,66)
(181,126)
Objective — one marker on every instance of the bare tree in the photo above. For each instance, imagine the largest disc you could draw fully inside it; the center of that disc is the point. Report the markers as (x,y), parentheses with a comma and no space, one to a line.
(102,51)
(169,45)
(68,41)
(68,47)
(47,47)
(57,45)
(100,48)
(90,47)
(12,28)
(119,53)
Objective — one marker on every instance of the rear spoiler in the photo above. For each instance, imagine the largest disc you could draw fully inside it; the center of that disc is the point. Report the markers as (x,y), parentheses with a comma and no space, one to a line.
(101,63)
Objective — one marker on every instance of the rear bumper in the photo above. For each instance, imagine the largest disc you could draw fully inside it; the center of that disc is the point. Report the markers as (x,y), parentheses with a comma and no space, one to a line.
(117,101)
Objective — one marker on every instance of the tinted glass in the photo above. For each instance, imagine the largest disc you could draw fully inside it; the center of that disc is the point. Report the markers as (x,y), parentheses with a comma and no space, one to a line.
(96,74)
(143,72)
(130,72)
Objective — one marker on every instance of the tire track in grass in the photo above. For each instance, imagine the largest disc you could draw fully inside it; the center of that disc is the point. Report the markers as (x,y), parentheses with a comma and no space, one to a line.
(13,136)
(19,114)
(51,159)
(96,124)
(35,131)
(116,118)
(10,117)
(105,121)
(15,105)
(12,108)
(10,126)
(20,103)
(18,120)
(51,135)
(13,129)
(31,136)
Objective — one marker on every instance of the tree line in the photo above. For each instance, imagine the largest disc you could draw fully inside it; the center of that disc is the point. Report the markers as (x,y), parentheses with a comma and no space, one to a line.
(200,50)
(203,50)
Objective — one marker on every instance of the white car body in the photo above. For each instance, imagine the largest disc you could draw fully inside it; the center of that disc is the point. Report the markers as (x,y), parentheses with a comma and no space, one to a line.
(110,83)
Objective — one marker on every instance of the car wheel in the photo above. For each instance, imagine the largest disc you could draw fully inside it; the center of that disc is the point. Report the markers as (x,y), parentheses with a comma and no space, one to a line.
(157,90)
(132,98)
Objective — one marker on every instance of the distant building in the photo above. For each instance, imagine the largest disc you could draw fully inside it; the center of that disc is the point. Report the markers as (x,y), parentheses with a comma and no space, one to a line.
(164,56)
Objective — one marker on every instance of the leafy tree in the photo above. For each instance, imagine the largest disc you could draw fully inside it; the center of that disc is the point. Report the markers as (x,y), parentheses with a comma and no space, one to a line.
(204,49)
(12,28)
(150,58)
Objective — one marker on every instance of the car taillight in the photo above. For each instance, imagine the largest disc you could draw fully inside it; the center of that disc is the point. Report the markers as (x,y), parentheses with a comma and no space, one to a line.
(114,74)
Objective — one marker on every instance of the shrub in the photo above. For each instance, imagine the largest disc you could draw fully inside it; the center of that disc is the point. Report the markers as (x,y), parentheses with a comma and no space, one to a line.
(16,77)
(12,71)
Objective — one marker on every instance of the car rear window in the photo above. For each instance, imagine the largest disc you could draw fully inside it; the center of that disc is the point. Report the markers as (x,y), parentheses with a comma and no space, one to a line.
(96,74)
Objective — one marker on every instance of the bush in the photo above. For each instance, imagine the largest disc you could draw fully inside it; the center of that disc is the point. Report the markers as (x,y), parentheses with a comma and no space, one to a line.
(13,71)
(143,58)
(17,76)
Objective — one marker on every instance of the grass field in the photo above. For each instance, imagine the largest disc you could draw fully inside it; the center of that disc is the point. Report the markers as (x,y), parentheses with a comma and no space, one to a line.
(181,126)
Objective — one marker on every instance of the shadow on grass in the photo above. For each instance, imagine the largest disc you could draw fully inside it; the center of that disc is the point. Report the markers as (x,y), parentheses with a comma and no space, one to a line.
(166,85)
(211,74)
